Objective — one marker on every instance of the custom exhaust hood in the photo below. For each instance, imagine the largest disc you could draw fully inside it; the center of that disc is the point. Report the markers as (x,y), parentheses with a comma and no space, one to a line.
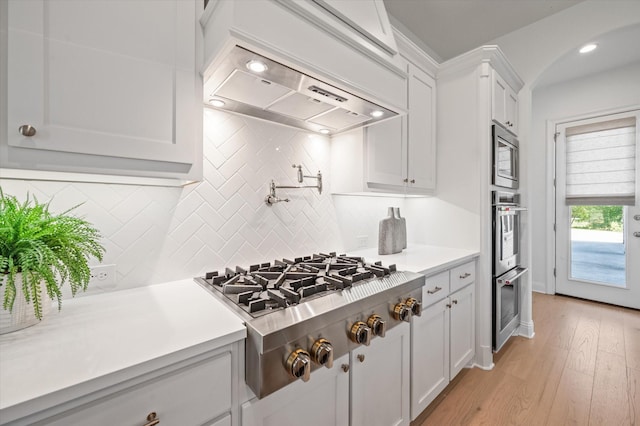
(250,84)
(339,87)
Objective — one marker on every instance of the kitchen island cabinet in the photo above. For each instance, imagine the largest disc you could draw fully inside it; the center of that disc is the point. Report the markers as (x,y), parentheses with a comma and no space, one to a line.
(118,357)
(111,88)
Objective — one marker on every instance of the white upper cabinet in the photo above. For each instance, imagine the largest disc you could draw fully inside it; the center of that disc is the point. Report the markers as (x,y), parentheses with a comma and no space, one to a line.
(107,79)
(421,150)
(504,103)
(397,156)
(369,18)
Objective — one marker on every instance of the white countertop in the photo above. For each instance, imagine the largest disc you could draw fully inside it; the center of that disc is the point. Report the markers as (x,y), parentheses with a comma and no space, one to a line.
(81,348)
(425,259)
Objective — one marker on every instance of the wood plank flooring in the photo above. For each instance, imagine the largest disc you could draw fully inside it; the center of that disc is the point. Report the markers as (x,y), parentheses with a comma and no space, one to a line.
(581,368)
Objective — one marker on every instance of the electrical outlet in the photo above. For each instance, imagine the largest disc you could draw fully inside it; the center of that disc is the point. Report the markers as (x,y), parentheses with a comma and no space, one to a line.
(363,241)
(102,276)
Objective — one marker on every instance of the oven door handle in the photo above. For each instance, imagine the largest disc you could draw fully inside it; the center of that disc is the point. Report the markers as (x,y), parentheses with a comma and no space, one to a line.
(511,209)
(513,275)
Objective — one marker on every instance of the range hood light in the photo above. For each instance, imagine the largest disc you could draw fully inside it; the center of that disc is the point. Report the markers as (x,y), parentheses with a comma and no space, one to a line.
(218,103)
(588,48)
(257,66)
(377,113)
(324,131)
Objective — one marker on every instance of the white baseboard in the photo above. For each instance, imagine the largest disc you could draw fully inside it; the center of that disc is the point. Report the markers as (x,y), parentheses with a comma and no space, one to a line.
(484,358)
(526,330)
(538,286)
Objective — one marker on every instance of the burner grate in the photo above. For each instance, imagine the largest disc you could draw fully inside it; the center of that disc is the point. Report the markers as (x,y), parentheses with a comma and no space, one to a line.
(268,287)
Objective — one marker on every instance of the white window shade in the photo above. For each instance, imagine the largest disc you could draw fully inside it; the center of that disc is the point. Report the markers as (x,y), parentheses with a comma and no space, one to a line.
(601,163)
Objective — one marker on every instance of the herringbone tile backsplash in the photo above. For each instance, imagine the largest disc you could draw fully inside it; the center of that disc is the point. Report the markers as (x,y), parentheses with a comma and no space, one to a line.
(157,234)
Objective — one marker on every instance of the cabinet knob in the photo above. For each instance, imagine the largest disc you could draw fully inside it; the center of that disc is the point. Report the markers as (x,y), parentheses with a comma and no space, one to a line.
(27,130)
(405,180)
(152,419)
(413,181)
(454,301)
(345,368)
(361,357)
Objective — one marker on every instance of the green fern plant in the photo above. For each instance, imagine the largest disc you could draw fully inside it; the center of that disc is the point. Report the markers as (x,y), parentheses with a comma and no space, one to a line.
(47,249)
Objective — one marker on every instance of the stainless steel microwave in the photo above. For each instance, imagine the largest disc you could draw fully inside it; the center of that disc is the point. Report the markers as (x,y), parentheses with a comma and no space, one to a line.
(506,167)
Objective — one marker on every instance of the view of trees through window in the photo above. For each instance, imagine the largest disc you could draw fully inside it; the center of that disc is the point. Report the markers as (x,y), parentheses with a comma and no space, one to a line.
(604,218)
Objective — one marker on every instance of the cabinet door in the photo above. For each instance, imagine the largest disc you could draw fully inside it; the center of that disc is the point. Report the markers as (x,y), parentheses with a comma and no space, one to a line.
(504,103)
(386,153)
(421,155)
(512,111)
(193,395)
(463,328)
(380,380)
(323,400)
(105,78)
(429,356)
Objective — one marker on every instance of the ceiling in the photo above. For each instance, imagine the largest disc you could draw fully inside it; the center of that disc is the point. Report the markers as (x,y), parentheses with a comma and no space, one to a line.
(451,27)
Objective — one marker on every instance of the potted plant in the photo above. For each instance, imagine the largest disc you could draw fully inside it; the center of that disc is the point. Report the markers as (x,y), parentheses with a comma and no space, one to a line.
(39,251)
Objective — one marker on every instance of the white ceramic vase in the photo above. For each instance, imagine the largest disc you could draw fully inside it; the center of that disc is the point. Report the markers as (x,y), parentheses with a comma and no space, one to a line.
(22,316)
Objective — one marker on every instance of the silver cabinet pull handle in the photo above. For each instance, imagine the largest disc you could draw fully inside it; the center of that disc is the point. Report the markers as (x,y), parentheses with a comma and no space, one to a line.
(465,275)
(435,290)
(27,130)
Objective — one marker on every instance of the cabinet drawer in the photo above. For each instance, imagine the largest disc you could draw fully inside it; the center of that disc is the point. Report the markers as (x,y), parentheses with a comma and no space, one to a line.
(463,275)
(192,395)
(436,288)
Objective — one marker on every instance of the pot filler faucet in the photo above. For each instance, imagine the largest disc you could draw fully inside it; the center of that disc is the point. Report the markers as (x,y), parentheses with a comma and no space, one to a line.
(271,199)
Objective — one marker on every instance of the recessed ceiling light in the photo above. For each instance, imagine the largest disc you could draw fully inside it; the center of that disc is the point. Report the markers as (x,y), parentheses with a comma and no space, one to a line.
(257,66)
(588,48)
(324,131)
(377,113)
(216,103)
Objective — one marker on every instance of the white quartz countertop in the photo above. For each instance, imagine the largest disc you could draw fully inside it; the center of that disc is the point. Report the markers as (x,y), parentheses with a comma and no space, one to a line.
(424,259)
(82,348)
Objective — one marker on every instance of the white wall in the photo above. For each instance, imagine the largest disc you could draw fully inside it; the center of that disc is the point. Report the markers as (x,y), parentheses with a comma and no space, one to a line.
(157,234)
(591,95)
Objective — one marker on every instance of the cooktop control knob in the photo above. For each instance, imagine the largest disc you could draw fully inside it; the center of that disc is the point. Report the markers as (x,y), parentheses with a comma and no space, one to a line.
(415,305)
(322,353)
(401,312)
(299,364)
(360,333)
(377,325)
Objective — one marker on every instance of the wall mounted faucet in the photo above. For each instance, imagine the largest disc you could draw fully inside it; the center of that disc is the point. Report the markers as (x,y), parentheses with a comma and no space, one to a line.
(272,198)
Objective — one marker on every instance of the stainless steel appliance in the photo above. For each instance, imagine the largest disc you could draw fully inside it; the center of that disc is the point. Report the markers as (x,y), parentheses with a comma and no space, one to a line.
(251,84)
(505,157)
(507,271)
(301,314)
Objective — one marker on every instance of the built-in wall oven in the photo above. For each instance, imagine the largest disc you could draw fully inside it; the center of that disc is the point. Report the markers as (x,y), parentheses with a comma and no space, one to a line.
(505,157)
(507,270)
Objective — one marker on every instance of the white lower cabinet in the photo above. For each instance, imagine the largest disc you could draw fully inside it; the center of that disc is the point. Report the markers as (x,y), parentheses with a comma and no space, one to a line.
(191,393)
(380,380)
(371,382)
(443,337)
(323,400)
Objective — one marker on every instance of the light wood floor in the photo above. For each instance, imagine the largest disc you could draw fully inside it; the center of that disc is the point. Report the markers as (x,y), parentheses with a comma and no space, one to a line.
(581,368)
